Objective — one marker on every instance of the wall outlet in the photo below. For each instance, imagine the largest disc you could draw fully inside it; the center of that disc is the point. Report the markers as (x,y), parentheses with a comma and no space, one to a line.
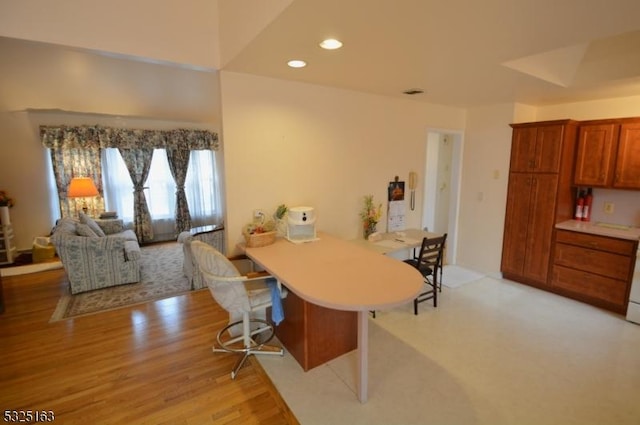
(608,207)
(258,216)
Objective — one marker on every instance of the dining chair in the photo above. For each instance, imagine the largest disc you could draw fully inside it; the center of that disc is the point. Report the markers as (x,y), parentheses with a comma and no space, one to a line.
(246,297)
(429,264)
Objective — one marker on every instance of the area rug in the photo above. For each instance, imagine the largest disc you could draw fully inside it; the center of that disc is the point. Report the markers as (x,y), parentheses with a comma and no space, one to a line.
(161,277)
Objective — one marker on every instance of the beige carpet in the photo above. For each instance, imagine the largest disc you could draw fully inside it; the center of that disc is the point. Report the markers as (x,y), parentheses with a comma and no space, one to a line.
(162,277)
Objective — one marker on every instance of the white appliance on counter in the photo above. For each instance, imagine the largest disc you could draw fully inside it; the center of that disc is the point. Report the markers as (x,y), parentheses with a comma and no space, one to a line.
(633,310)
(301,224)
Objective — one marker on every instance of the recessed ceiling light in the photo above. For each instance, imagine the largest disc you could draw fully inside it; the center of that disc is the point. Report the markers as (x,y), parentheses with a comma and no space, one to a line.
(331,44)
(297,64)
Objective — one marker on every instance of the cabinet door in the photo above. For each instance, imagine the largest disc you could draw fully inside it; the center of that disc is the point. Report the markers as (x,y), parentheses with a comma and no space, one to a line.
(548,149)
(595,156)
(627,174)
(542,206)
(516,223)
(523,149)
(529,225)
(536,149)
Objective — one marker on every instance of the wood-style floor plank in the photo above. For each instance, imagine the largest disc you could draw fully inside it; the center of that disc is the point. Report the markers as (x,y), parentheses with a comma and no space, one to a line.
(145,364)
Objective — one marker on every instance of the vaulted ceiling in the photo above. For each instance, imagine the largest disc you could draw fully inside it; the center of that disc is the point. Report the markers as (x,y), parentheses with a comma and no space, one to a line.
(459,52)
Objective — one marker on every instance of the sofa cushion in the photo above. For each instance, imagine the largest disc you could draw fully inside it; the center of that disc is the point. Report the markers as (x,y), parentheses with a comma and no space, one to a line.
(65,226)
(85,230)
(85,219)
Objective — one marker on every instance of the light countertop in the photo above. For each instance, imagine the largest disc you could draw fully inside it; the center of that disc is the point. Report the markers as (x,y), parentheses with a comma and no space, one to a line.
(601,229)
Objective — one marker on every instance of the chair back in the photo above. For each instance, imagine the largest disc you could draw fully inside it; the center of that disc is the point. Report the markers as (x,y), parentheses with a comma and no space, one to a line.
(223,279)
(431,254)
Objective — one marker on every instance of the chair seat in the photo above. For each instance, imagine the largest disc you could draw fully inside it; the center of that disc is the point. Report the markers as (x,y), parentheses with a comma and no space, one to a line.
(426,271)
(260,294)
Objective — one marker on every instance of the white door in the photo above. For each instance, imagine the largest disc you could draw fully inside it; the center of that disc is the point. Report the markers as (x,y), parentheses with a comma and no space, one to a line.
(442,186)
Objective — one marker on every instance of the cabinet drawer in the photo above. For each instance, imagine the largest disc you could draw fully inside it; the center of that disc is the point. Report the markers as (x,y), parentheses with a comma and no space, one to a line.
(592,261)
(602,243)
(590,285)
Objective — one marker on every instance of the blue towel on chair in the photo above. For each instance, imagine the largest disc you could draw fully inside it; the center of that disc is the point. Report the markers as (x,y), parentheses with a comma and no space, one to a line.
(277,312)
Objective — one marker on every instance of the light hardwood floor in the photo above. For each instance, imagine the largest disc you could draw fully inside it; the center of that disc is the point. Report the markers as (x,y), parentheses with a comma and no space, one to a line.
(146,364)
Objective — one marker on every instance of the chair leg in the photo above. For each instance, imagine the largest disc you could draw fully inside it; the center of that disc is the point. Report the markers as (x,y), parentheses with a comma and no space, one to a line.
(250,346)
(415,306)
(239,364)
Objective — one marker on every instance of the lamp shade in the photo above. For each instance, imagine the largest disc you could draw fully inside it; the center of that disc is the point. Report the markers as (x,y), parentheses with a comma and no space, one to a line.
(81,187)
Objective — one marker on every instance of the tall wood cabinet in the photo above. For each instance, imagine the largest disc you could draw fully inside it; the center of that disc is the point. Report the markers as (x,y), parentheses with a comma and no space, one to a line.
(538,196)
(608,154)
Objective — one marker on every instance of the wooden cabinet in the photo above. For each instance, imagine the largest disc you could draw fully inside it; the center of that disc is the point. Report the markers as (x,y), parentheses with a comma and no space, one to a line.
(536,149)
(608,154)
(627,171)
(530,217)
(538,195)
(594,269)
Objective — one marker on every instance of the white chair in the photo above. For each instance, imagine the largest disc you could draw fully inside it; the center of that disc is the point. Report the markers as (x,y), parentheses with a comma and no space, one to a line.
(245,296)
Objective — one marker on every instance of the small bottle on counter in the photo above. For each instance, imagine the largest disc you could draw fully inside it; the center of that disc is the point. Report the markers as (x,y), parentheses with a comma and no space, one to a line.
(579,206)
(586,209)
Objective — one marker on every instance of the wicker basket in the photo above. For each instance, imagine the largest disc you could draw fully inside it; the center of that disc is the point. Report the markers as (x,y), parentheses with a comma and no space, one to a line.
(257,240)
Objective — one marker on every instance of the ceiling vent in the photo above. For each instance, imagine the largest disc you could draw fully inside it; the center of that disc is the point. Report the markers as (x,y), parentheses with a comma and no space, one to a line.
(411,92)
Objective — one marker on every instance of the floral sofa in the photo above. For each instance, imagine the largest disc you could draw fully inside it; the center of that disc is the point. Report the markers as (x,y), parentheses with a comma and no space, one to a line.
(96,255)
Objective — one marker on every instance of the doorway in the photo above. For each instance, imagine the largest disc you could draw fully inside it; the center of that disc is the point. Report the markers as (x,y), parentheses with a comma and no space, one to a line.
(442,173)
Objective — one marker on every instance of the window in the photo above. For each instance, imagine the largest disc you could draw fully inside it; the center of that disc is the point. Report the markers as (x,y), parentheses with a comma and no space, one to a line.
(201,188)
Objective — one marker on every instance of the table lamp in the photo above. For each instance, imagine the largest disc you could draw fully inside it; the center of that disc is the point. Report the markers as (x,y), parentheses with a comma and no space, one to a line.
(82,187)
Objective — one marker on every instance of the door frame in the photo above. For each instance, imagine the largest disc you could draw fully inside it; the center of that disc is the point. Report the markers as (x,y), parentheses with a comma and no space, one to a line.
(430,189)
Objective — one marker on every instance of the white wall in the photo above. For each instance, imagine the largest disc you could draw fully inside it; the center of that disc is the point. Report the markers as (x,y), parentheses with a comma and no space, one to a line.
(597,109)
(485,173)
(176,31)
(300,144)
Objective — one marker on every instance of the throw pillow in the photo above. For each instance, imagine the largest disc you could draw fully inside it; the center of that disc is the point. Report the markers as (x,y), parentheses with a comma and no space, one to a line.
(85,219)
(85,230)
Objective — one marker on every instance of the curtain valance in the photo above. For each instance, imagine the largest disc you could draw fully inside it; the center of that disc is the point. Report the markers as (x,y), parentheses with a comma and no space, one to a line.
(83,137)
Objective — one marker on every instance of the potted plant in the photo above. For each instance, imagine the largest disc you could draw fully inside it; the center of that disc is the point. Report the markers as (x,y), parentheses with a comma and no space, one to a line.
(370,216)
(280,217)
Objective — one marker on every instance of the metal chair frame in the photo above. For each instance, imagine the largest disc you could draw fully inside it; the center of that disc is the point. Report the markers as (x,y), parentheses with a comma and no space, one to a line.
(249,329)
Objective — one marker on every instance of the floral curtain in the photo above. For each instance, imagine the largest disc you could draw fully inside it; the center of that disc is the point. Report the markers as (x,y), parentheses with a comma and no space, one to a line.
(70,163)
(75,152)
(138,163)
(108,137)
(178,164)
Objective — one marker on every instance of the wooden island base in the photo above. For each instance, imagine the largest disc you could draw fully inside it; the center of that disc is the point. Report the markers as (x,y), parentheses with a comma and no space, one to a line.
(313,335)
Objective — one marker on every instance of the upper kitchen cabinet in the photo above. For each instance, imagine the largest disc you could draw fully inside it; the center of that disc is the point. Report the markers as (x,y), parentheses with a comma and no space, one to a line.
(608,154)
(536,149)
(627,174)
